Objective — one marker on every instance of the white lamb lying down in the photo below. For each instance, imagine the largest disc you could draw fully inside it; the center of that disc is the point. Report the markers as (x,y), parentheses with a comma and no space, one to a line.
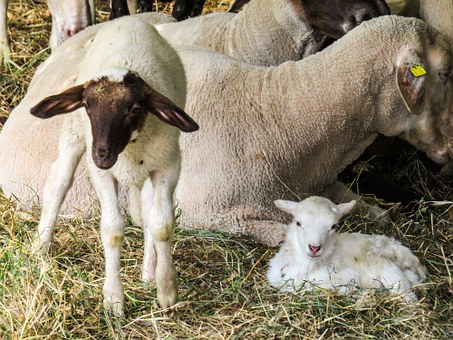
(314,255)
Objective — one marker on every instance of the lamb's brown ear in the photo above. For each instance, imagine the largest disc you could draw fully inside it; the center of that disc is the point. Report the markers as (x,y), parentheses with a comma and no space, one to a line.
(411,77)
(64,102)
(169,112)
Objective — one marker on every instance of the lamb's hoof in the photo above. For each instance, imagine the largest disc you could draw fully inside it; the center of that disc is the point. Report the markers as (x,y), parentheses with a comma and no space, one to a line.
(148,276)
(41,248)
(115,307)
(167,296)
(167,289)
(114,296)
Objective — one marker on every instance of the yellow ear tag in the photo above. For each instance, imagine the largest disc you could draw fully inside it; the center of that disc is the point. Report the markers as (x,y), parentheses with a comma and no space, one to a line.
(418,70)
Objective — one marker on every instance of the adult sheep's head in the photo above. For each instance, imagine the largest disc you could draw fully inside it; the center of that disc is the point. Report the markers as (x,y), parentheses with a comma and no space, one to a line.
(315,220)
(117,108)
(334,18)
(425,82)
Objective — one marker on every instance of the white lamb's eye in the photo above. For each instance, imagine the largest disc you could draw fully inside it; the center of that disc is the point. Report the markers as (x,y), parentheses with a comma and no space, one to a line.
(298,224)
(334,227)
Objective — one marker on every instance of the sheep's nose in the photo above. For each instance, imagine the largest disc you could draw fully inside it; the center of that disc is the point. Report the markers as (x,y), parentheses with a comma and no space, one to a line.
(314,249)
(102,153)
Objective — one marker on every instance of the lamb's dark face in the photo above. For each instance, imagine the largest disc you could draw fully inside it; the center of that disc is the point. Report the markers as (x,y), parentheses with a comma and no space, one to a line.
(334,18)
(116,110)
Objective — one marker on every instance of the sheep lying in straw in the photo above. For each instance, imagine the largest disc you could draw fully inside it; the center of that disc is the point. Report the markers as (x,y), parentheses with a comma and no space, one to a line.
(282,131)
(290,130)
(269,32)
(314,255)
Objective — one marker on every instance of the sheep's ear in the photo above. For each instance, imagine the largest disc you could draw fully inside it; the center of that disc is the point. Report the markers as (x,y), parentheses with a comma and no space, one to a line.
(411,77)
(170,113)
(65,102)
(343,208)
(287,206)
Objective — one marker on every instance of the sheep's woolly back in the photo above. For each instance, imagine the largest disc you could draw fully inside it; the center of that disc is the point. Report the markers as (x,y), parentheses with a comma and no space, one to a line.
(265,32)
(289,130)
(22,174)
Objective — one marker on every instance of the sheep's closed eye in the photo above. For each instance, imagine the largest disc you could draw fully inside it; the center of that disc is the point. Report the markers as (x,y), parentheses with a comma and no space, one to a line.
(334,227)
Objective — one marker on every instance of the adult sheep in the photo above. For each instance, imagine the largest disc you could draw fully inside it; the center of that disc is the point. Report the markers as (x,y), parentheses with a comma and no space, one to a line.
(68,18)
(128,104)
(22,174)
(269,32)
(288,131)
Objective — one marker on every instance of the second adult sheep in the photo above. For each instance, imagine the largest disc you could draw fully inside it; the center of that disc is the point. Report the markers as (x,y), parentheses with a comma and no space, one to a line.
(288,131)
(314,255)
(269,32)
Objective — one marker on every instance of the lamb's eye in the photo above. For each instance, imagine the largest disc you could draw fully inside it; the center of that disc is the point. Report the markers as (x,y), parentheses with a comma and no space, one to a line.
(298,224)
(334,227)
(135,109)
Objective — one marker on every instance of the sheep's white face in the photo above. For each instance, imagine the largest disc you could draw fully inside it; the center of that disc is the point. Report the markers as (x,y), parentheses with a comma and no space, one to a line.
(315,219)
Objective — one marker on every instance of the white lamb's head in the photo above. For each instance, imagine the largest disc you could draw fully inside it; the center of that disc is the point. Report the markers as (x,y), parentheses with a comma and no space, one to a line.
(315,219)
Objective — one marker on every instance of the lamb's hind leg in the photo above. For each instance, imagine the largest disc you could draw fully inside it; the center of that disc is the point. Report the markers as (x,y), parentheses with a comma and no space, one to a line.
(58,182)
(158,233)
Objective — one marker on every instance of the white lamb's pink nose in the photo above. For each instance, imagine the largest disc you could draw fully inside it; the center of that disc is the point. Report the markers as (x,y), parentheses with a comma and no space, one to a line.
(314,249)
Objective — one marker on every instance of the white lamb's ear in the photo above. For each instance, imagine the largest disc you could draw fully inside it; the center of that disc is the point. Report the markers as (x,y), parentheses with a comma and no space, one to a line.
(287,206)
(343,208)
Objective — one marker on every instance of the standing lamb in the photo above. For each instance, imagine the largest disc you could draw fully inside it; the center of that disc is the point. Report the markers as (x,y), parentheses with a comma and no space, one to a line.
(288,131)
(269,32)
(314,255)
(68,18)
(132,87)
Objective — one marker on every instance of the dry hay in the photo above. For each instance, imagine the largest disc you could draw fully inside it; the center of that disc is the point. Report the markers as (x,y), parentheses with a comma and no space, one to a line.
(223,290)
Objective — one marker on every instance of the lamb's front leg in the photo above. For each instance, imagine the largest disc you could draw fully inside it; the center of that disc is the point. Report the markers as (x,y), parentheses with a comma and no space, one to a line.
(112,235)
(158,233)
(58,182)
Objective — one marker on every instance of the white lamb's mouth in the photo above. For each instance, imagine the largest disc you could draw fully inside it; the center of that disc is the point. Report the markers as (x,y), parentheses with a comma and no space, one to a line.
(314,256)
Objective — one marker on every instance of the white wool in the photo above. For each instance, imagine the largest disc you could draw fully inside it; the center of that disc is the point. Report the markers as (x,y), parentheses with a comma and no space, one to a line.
(345,261)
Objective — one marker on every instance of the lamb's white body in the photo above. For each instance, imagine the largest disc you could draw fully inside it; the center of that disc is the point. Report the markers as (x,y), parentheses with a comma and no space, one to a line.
(123,45)
(265,32)
(343,262)
(68,18)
